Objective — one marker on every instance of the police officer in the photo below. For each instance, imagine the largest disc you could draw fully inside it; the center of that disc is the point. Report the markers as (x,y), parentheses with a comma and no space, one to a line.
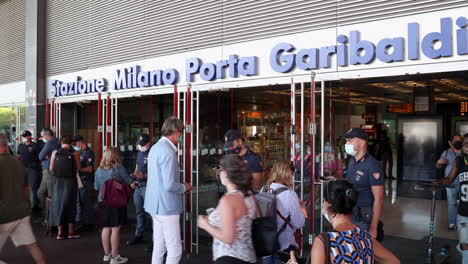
(140,175)
(366,174)
(459,172)
(28,153)
(235,144)
(85,202)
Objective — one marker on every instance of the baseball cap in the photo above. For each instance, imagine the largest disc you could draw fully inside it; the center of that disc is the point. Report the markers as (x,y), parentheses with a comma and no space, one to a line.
(356,133)
(230,136)
(77,138)
(144,139)
(26,133)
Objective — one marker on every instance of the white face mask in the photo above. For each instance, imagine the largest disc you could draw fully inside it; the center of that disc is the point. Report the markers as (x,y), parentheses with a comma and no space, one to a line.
(325,214)
(24,140)
(349,148)
(222,178)
(142,148)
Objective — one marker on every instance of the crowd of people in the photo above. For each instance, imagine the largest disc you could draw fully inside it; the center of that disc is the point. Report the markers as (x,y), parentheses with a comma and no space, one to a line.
(66,191)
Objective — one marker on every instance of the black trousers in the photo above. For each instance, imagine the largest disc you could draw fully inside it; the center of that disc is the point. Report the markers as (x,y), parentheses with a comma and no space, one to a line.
(230,260)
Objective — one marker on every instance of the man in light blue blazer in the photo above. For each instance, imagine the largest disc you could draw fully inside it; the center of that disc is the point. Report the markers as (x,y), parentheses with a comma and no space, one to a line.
(163,200)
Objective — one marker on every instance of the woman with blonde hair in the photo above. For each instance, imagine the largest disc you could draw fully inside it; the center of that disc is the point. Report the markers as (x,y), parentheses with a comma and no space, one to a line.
(112,218)
(288,205)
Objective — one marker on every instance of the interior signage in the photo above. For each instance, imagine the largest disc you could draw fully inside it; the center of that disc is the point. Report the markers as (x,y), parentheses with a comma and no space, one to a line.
(283,58)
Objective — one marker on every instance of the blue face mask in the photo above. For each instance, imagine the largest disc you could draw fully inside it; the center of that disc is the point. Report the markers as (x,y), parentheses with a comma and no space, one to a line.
(180,139)
(76,148)
(327,149)
(44,140)
(297,146)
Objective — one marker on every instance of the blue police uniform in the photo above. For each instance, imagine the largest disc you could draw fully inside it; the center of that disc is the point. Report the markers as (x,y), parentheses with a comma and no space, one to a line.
(85,202)
(254,161)
(363,174)
(29,156)
(139,194)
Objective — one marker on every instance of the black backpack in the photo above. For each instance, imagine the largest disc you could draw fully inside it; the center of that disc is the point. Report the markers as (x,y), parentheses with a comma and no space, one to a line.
(64,163)
(264,229)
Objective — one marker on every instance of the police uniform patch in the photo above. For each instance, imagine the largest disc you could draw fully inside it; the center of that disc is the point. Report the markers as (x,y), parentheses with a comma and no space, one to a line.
(360,172)
(376,175)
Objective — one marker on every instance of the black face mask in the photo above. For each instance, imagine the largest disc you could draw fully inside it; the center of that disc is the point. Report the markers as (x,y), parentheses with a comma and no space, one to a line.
(234,151)
(457,145)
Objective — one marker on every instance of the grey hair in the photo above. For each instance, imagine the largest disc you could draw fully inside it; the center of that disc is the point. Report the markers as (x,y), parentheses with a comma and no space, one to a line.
(3,140)
(47,131)
(172,125)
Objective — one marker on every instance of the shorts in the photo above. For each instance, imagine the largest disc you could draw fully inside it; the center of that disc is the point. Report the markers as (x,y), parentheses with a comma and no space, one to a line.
(20,232)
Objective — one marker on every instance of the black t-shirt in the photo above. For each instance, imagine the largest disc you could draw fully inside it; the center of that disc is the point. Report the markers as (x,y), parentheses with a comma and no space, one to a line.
(29,155)
(462,174)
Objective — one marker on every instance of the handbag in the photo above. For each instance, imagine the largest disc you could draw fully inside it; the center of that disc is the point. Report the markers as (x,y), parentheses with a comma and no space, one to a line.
(115,194)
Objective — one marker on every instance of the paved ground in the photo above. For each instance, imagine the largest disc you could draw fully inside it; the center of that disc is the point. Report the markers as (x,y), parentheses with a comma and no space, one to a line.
(88,250)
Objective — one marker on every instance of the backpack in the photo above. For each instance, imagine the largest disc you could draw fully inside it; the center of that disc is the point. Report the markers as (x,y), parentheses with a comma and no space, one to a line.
(64,163)
(114,193)
(264,228)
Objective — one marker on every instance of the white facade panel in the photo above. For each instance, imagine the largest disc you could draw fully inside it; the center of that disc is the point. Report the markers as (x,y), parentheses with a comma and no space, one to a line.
(371,31)
(13,94)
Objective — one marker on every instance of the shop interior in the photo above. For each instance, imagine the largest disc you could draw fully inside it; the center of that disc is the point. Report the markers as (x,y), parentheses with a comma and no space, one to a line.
(419,113)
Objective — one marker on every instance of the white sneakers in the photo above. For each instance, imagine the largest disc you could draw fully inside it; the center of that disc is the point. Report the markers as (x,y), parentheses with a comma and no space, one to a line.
(107,257)
(118,260)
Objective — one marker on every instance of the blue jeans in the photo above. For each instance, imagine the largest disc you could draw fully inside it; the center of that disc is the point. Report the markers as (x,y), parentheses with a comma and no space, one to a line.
(85,213)
(462,223)
(139,201)
(34,180)
(452,197)
(274,259)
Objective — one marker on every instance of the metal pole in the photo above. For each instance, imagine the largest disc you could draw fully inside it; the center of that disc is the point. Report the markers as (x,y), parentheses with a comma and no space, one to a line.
(53,116)
(188,168)
(176,101)
(312,157)
(218,127)
(349,104)
(322,127)
(151,117)
(99,128)
(293,118)
(47,117)
(108,122)
(197,160)
(302,151)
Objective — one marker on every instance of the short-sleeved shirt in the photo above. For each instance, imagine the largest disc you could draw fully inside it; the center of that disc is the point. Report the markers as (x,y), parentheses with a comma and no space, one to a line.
(142,164)
(462,175)
(13,205)
(364,174)
(29,155)
(450,155)
(253,160)
(87,160)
